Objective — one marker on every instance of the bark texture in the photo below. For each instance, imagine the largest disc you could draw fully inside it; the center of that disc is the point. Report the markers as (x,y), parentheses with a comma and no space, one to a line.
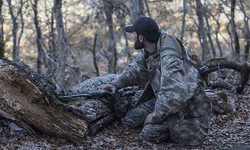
(202,31)
(242,68)
(41,55)
(112,56)
(136,9)
(31,99)
(233,29)
(1,32)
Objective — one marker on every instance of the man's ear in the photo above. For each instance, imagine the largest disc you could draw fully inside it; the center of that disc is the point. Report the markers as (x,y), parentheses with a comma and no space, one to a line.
(141,38)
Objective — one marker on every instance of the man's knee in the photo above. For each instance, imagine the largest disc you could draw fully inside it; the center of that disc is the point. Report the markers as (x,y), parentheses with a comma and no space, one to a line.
(185,135)
(130,122)
(155,133)
(158,133)
(135,118)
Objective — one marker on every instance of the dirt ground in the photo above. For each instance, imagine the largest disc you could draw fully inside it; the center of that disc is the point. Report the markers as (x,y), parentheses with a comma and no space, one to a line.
(227,131)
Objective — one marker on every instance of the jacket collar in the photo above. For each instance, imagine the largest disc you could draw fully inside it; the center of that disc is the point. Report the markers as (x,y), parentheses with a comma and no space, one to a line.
(160,41)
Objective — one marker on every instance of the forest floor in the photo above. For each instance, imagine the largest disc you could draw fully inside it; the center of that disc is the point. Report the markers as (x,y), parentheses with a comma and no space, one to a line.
(227,131)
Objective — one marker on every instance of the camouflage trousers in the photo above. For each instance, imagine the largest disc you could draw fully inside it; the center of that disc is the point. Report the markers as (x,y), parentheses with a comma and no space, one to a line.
(175,128)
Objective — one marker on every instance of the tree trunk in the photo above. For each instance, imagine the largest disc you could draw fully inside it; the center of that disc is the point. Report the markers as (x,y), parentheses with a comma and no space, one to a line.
(15,54)
(112,58)
(52,46)
(183,19)
(148,11)
(234,31)
(94,57)
(1,32)
(62,42)
(129,60)
(202,31)
(216,31)
(52,33)
(41,55)
(21,32)
(229,42)
(247,32)
(136,9)
(247,45)
(122,16)
(209,35)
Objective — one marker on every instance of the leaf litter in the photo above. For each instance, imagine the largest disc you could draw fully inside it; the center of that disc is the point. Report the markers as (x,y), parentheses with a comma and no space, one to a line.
(227,131)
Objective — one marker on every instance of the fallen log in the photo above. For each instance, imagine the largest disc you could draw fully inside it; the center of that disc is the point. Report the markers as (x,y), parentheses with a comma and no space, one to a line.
(242,68)
(31,99)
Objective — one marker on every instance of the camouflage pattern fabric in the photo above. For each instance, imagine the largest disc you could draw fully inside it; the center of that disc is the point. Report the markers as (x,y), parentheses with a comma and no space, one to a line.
(180,97)
(187,126)
(135,117)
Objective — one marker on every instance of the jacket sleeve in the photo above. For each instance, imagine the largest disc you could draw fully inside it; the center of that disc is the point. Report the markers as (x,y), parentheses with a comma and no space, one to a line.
(178,83)
(134,74)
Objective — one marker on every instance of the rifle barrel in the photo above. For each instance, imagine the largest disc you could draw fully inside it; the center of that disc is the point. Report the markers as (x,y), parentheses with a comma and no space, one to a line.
(98,94)
(78,95)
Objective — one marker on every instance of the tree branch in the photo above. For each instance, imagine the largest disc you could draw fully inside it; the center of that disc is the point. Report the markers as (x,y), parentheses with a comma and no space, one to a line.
(242,68)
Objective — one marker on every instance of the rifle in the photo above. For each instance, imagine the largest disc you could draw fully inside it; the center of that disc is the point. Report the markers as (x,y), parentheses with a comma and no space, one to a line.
(102,93)
(112,99)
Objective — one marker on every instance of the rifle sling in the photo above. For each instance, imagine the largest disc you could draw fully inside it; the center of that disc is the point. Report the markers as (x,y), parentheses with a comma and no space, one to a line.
(185,59)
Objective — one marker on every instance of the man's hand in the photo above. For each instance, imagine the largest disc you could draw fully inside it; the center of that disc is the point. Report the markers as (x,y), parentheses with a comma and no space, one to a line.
(148,120)
(108,86)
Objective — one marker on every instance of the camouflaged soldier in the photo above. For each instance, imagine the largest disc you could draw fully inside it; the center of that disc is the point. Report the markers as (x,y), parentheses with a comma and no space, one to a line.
(180,111)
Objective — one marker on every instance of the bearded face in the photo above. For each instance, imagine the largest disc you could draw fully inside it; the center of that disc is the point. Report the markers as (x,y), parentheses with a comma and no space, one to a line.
(138,45)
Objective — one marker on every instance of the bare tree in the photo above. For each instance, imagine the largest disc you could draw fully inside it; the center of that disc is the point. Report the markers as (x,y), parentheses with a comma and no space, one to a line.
(148,11)
(121,14)
(229,42)
(218,27)
(15,28)
(136,9)
(22,27)
(41,55)
(93,51)
(1,32)
(247,30)
(202,30)
(183,19)
(209,35)
(234,31)
(62,42)
(112,56)
(52,34)
(51,51)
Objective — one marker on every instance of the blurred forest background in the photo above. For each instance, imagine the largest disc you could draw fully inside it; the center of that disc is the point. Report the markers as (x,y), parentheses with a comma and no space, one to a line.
(73,40)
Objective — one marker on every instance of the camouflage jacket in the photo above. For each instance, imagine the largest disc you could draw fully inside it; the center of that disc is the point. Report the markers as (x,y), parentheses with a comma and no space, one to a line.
(173,80)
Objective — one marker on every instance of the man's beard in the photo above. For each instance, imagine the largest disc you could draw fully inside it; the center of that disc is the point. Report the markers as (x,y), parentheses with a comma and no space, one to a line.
(138,45)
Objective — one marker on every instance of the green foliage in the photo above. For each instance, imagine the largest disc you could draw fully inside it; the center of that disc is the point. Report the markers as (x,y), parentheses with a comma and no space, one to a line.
(216,58)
